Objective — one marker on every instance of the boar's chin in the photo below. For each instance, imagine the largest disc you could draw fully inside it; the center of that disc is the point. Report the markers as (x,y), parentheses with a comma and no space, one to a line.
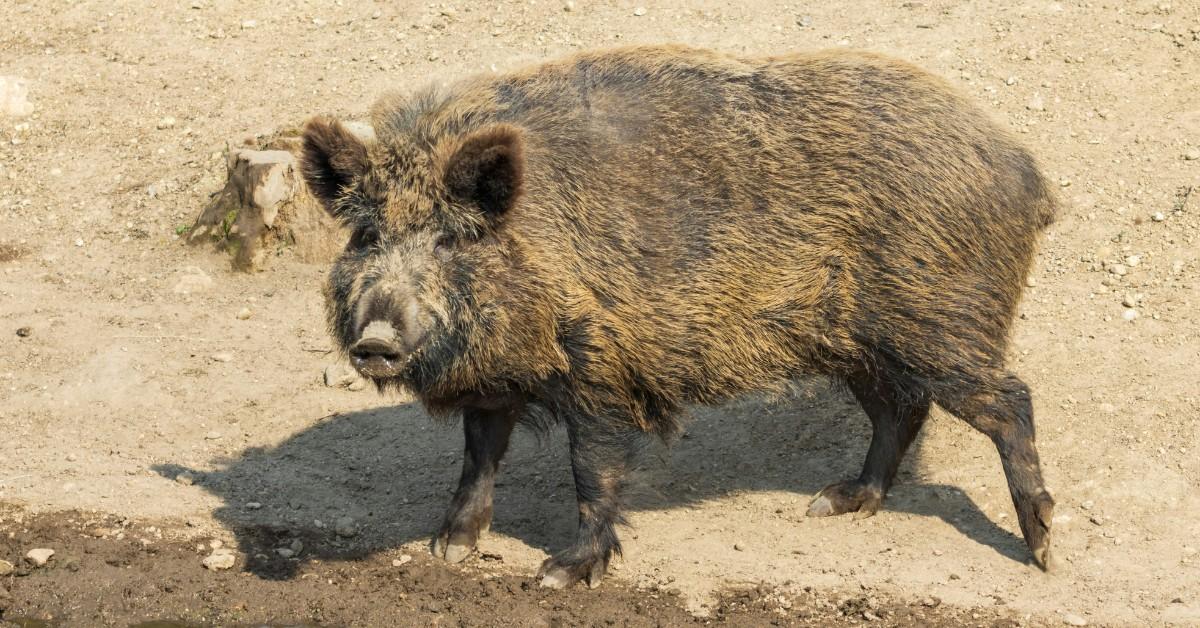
(427,370)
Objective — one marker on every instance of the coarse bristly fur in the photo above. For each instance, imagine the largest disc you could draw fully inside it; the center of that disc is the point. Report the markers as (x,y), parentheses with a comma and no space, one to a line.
(610,237)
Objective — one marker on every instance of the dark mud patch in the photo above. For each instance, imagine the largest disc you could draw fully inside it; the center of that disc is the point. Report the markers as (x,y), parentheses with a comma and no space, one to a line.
(109,571)
(11,252)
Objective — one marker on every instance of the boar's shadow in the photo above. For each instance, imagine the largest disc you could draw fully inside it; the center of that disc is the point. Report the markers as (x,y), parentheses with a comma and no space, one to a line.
(392,471)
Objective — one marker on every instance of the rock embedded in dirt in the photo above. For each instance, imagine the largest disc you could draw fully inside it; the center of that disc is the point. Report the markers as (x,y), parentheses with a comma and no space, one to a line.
(165,123)
(1071,619)
(39,557)
(244,314)
(403,560)
(220,559)
(192,280)
(1192,154)
(14,97)
(342,376)
(1037,103)
(6,568)
(24,332)
(1130,314)
(224,356)
(345,527)
(185,478)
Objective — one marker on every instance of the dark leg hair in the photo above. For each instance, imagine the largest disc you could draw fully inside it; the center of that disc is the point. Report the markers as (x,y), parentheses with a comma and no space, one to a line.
(896,415)
(601,453)
(470,513)
(999,405)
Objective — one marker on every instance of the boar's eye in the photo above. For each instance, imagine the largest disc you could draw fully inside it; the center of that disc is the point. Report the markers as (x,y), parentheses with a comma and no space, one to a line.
(443,249)
(363,237)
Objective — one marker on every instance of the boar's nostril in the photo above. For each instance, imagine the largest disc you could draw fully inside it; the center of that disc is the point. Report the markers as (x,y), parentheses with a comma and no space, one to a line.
(368,348)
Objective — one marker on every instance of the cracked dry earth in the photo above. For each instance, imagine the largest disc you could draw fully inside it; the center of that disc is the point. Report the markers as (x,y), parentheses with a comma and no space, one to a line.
(143,419)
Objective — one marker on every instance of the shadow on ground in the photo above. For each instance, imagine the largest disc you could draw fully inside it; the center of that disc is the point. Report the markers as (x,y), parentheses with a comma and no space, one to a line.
(392,470)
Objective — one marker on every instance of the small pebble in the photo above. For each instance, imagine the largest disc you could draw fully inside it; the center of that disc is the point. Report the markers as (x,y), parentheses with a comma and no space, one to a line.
(1130,314)
(38,557)
(244,314)
(1133,260)
(24,332)
(6,568)
(1158,217)
(213,435)
(931,602)
(640,11)
(1036,103)
(569,6)
(222,357)
(186,479)
(804,21)
(253,505)
(1118,269)
(248,24)
(166,123)
(285,552)
(1130,300)
(403,560)
(739,547)
(1192,154)
(1012,80)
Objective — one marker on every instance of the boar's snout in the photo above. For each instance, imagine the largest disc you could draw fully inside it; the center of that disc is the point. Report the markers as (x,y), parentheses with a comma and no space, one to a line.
(378,352)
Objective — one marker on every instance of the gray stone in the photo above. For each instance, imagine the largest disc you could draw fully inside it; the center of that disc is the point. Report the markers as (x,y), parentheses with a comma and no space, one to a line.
(345,527)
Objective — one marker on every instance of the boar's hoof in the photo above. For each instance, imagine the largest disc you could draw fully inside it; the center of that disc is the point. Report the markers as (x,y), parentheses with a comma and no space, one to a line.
(1035,515)
(844,497)
(453,550)
(560,575)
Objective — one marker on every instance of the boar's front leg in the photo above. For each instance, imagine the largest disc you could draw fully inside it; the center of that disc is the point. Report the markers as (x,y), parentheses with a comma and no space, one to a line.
(470,513)
(600,455)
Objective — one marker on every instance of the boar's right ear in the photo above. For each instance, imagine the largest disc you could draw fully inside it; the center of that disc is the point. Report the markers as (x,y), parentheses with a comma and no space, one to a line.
(333,158)
(486,169)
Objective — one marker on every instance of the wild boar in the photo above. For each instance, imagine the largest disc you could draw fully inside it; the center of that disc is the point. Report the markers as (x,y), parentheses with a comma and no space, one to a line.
(605,239)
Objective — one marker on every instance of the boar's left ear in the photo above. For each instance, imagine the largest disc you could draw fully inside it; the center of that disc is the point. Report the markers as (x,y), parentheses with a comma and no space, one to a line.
(333,158)
(486,169)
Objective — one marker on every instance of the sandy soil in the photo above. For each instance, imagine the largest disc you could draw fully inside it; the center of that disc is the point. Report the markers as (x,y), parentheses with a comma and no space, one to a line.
(123,364)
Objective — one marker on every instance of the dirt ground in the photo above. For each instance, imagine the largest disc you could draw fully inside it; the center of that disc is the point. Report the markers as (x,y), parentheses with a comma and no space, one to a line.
(144,419)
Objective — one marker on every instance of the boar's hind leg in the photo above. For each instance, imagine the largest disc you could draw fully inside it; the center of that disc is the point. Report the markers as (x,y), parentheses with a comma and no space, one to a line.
(897,415)
(470,512)
(600,454)
(999,405)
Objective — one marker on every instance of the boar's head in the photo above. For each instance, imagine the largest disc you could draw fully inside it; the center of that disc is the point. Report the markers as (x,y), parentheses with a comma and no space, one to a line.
(433,293)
